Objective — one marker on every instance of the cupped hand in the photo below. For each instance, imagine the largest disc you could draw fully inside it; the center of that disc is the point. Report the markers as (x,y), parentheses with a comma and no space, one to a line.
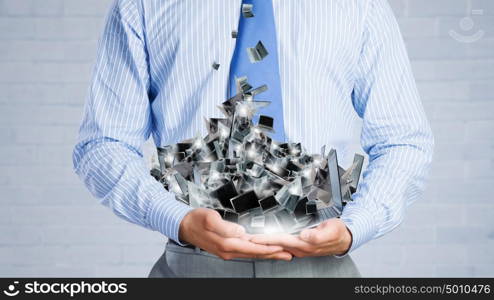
(331,237)
(206,229)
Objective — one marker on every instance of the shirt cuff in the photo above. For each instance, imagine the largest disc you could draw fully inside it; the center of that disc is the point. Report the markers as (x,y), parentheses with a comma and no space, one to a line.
(166,213)
(360,223)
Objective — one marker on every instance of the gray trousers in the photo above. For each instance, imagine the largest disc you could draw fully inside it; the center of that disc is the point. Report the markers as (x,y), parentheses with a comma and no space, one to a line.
(180,261)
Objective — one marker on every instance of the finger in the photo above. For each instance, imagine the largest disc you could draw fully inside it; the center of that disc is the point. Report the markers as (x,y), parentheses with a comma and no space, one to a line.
(214,223)
(283,255)
(284,240)
(306,234)
(323,233)
(314,236)
(237,245)
(247,236)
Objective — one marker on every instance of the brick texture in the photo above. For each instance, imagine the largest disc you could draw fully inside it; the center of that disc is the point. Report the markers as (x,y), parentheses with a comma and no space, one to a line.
(51,226)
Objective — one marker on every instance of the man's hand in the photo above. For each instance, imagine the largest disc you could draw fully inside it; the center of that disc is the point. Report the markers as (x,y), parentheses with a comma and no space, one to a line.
(206,229)
(329,238)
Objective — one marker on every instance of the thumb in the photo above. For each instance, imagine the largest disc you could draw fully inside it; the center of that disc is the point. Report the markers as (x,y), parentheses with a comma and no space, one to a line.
(315,235)
(308,235)
(227,229)
(233,230)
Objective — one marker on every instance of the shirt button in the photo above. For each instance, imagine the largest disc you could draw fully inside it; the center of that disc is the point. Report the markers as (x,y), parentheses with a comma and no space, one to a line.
(216,65)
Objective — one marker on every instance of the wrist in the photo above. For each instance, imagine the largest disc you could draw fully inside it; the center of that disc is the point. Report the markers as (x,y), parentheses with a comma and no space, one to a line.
(360,222)
(184,229)
(165,214)
(346,241)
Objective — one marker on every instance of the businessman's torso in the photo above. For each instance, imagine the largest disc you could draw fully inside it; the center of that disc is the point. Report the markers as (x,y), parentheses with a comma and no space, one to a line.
(319,46)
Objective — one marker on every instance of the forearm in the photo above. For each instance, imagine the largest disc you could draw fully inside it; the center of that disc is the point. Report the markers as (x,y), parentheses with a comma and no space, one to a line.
(393,180)
(395,132)
(117,175)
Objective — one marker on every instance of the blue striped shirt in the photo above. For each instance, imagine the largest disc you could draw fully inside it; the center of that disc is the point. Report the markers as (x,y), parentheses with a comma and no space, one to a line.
(343,65)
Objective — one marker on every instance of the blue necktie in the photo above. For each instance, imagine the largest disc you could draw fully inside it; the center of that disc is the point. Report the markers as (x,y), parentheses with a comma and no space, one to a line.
(251,30)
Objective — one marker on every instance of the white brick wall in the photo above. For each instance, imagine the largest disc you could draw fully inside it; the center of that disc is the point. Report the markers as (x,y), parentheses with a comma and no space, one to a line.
(50,226)
(451,231)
